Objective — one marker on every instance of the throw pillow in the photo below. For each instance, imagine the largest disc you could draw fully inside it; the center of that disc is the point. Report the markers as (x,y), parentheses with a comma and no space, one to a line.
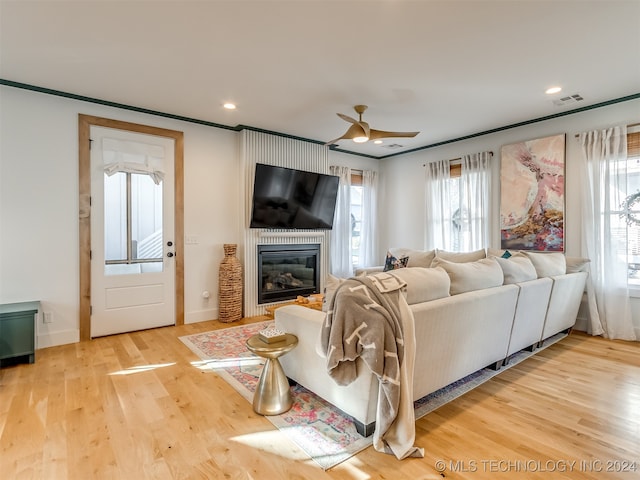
(548,264)
(417,258)
(391,263)
(517,268)
(506,254)
(331,285)
(461,257)
(424,284)
(468,276)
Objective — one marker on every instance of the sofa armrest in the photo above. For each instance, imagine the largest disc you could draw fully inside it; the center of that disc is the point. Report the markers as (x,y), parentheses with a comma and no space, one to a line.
(307,366)
(566,296)
(305,323)
(368,270)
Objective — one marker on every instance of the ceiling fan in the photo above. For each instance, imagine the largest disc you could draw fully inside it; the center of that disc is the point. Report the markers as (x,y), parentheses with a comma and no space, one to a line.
(360,132)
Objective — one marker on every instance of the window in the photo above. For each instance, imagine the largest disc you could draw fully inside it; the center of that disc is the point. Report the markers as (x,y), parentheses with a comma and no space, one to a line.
(457,211)
(355,210)
(133,222)
(455,206)
(625,217)
(458,206)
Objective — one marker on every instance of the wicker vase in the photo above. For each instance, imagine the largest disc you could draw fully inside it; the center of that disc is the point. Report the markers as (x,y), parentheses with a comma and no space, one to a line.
(230,281)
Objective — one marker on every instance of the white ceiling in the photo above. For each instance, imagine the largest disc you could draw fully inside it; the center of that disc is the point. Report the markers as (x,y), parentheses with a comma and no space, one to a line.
(448,69)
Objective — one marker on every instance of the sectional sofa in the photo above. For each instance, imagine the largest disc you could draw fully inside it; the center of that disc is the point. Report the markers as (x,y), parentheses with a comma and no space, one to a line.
(470,310)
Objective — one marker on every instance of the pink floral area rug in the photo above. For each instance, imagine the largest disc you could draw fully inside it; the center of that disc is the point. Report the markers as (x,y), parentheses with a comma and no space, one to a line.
(323,431)
(326,434)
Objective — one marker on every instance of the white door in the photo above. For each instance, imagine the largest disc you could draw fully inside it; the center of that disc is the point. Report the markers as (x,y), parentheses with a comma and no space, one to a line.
(132,231)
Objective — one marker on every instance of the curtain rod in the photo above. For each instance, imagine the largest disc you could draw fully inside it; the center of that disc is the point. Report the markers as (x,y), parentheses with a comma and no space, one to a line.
(628,126)
(459,159)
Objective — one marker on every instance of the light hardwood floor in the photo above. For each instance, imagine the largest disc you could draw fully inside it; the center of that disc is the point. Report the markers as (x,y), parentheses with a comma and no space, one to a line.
(133,406)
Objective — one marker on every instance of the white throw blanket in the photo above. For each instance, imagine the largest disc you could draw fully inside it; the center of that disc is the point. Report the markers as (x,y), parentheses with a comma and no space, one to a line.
(369,318)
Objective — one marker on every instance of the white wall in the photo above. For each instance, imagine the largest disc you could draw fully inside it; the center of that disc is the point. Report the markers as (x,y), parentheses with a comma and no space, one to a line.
(403,204)
(39,205)
(39,198)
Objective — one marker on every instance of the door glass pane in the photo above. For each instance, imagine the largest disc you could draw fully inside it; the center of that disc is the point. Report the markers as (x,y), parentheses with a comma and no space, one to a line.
(142,217)
(115,216)
(146,217)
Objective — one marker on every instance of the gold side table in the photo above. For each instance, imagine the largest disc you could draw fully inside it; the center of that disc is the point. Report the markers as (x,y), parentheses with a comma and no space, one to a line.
(272,395)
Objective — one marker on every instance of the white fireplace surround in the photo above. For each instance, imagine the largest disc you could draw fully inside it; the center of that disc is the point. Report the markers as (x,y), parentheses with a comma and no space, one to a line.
(259,147)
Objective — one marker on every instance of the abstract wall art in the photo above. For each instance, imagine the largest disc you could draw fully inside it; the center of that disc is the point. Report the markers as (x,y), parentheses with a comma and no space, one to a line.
(532,194)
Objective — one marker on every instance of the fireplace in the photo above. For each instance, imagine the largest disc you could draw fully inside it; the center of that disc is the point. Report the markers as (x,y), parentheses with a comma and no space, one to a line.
(287,271)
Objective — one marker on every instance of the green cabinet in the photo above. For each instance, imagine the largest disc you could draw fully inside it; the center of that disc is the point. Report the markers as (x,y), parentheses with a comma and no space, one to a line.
(18,331)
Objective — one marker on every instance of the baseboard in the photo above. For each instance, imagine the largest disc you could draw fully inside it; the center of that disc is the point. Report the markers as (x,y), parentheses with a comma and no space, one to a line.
(201,315)
(581,324)
(53,339)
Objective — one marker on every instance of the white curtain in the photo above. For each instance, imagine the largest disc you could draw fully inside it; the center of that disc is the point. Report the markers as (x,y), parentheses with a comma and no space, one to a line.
(340,263)
(604,237)
(475,185)
(439,231)
(369,214)
(133,157)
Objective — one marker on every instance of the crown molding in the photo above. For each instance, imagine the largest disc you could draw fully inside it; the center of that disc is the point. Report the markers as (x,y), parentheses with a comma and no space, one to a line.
(238,128)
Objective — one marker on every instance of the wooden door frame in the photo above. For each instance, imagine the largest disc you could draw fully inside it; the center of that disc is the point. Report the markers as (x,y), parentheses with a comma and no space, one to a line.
(84,173)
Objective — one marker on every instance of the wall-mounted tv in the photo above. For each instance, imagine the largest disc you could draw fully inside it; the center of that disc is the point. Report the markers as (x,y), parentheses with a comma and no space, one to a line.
(294,199)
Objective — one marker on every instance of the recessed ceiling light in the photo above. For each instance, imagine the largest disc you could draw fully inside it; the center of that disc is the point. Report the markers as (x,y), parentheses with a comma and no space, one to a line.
(229,106)
(377,142)
(552,90)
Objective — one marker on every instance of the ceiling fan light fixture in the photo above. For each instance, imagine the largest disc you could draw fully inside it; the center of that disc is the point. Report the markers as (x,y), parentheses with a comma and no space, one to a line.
(361,132)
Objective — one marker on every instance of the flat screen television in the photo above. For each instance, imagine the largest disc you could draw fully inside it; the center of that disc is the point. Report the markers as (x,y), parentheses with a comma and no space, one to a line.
(293,199)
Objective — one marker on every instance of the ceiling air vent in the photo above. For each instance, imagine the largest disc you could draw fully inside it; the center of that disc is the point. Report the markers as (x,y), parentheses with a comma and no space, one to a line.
(392,146)
(561,102)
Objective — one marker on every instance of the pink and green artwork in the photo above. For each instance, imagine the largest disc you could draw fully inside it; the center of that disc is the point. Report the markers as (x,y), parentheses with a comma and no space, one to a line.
(532,194)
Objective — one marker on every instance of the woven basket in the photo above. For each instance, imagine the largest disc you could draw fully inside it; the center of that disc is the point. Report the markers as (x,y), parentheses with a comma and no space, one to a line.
(230,281)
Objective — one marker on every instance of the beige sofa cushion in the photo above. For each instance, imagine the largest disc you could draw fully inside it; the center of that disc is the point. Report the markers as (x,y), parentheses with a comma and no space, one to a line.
(417,258)
(460,257)
(548,264)
(465,277)
(424,284)
(497,252)
(517,268)
(577,264)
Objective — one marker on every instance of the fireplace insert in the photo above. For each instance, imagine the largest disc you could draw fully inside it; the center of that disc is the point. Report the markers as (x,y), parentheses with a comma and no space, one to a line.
(287,271)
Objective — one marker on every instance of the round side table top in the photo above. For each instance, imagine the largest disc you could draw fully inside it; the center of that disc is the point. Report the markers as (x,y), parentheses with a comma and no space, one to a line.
(275,349)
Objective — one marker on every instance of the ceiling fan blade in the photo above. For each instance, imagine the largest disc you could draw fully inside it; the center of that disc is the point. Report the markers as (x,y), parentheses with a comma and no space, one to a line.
(347,118)
(331,142)
(375,134)
(365,127)
(353,131)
